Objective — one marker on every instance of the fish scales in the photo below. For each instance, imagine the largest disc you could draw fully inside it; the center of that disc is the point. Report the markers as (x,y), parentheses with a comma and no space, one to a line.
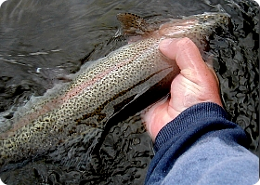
(94,98)
(84,106)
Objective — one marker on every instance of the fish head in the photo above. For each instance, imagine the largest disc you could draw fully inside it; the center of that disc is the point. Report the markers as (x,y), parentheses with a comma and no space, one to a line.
(197,26)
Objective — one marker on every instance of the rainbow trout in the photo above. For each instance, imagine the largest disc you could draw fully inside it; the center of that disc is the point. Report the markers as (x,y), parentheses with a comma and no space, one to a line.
(82,107)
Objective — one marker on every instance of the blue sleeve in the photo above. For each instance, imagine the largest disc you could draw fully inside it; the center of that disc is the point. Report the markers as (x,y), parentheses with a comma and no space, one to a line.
(201,146)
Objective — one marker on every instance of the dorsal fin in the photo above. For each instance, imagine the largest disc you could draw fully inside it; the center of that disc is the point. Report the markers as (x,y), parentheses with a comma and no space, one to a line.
(132,24)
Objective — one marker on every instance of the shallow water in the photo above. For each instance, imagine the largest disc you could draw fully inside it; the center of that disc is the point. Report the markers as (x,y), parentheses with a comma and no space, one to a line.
(42,41)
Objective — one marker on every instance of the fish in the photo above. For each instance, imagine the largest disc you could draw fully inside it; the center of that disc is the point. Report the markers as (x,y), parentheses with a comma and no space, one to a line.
(79,110)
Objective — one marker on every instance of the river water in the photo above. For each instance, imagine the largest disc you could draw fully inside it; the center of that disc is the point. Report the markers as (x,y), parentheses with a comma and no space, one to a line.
(42,41)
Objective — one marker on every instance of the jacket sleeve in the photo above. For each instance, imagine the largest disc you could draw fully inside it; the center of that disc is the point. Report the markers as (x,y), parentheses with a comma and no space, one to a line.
(201,146)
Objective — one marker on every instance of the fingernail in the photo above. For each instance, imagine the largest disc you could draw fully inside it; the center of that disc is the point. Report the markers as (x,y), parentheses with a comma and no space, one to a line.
(165,43)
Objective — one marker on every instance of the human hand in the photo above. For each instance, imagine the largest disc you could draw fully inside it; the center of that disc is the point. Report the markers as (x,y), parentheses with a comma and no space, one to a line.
(196,83)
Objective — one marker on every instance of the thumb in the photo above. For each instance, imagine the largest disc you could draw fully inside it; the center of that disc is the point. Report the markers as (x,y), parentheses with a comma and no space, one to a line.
(185,53)
(192,67)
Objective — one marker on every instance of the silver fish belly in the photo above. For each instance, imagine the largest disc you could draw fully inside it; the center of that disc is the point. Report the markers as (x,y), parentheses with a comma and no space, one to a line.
(84,106)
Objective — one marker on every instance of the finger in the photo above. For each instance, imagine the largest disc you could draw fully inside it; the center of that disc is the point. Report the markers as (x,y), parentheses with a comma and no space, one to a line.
(187,56)
(155,117)
(184,52)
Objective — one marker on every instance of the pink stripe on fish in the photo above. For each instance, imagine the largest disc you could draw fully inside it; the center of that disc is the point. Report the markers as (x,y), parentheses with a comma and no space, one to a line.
(55,103)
